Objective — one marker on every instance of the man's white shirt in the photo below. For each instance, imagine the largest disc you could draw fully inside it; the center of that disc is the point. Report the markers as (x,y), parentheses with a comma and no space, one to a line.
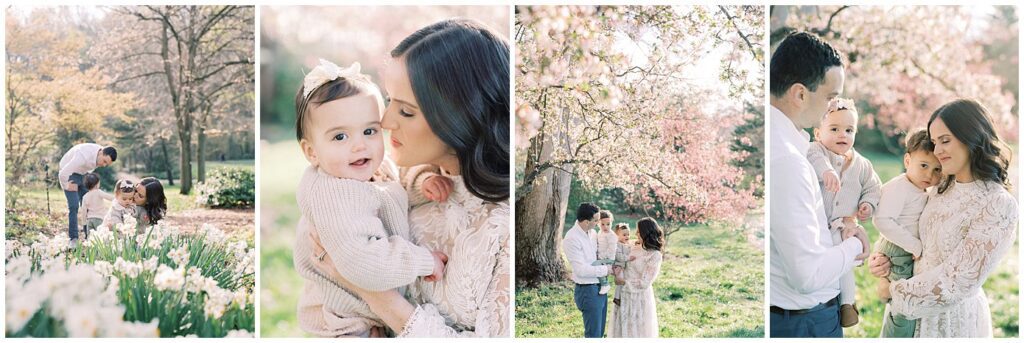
(805,266)
(80,159)
(581,251)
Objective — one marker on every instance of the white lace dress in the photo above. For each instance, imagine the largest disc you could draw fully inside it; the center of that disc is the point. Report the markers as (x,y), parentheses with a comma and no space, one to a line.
(637,316)
(472,300)
(965,232)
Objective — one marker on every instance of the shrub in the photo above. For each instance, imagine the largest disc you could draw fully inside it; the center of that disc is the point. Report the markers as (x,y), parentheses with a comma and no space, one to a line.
(227,187)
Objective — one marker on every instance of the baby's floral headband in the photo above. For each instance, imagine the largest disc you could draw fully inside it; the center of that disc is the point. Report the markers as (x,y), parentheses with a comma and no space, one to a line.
(840,104)
(327,72)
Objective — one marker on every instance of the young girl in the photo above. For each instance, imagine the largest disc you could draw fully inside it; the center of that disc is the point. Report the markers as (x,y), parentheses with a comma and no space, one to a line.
(124,203)
(903,199)
(849,187)
(621,254)
(637,315)
(351,198)
(93,203)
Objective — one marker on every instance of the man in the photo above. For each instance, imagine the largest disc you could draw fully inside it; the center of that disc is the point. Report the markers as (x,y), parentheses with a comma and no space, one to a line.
(80,160)
(806,74)
(581,252)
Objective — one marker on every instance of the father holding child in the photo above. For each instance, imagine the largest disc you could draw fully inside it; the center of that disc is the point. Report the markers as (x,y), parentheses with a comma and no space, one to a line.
(806,75)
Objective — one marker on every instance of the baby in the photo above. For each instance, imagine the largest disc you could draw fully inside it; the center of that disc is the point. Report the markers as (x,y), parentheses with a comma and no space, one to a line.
(903,200)
(621,254)
(849,187)
(124,203)
(351,197)
(607,247)
(93,203)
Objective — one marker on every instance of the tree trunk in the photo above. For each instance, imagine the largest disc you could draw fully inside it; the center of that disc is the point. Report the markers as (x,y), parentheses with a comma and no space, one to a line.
(185,138)
(540,218)
(201,153)
(167,162)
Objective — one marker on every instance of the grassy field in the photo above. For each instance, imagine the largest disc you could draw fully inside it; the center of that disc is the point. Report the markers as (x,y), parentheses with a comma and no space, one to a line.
(711,285)
(1002,286)
(280,170)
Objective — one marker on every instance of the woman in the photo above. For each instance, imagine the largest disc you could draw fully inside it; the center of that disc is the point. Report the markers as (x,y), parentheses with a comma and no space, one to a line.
(967,227)
(151,204)
(448,85)
(637,316)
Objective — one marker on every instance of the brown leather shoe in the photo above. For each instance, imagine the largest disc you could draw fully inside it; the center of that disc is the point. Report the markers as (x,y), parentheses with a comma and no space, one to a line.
(848,315)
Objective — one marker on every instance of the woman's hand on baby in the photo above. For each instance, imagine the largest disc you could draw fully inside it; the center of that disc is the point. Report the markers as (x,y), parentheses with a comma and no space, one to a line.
(440,260)
(436,188)
(377,332)
(831,181)
(879,265)
(883,290)
(864,212)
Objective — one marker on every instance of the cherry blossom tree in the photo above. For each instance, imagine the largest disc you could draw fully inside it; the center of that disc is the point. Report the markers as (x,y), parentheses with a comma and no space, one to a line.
(904,62)
(614,97)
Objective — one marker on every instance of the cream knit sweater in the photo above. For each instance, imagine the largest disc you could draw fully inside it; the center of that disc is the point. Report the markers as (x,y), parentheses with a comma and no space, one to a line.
(364,228)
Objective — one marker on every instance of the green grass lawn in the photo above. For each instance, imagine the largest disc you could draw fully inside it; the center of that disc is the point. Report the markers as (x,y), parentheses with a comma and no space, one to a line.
(280,170)
(1002,286)
(711,285)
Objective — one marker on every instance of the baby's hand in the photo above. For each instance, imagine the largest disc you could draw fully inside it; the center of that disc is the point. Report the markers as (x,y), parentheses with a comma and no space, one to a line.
(831,181)
(436,188)
(440,260)
(632,258)
(864,212)
(915,257)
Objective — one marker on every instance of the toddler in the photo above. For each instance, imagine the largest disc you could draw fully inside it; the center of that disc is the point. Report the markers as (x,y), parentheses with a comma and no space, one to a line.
(903,200)
(124,203)
(93,203)
(850,187)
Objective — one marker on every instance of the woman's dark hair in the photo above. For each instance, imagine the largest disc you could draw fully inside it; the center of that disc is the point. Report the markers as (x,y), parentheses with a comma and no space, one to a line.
(459,71)
(650,233)
(801,58)
(156,202)
(586,211)
(90,180)
(970,123)
(339,88)
(918,141)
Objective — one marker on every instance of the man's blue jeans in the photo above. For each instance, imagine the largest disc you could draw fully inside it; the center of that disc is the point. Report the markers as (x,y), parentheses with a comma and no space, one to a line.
(819,321)
(594,307)
(74,202)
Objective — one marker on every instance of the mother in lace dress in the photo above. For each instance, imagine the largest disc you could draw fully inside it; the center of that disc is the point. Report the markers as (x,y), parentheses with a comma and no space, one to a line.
(448,114)
(966,229)
(636,315)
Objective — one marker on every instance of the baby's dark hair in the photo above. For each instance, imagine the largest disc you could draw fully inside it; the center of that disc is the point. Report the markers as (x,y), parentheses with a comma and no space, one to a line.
(339,88)
(919,141)
(91,180)
(621,226)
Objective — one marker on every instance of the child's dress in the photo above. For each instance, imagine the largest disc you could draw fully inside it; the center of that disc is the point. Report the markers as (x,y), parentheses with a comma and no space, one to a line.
(898,213)
(637,316)
(858,183)
(364,228)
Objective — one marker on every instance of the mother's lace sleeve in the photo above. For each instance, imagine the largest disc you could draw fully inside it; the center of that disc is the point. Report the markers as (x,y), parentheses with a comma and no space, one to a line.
(652,268)
(492,311)
(988,238)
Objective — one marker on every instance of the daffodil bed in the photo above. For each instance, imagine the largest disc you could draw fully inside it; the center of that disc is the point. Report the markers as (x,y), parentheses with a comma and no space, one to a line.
(120,283)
